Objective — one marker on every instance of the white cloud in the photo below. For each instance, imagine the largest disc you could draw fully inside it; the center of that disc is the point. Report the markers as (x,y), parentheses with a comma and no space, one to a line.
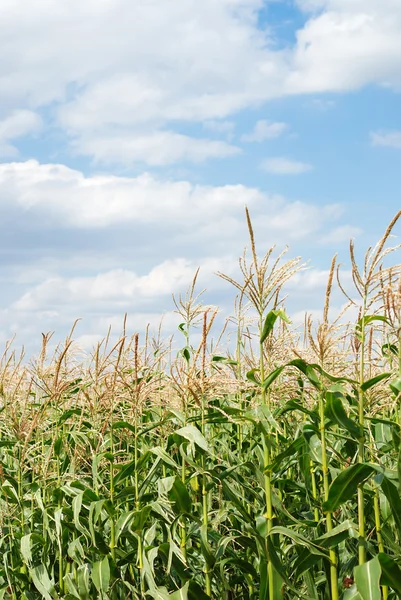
(117,287)
(211,60)
(55,197)
(265,130)
(346,45)
(315,279)
(155,149)
(58,195)
(296,221)
(122,288)
(17,124)
(392,139)
(341,234)
(285,166)
(224,127)
(98,246)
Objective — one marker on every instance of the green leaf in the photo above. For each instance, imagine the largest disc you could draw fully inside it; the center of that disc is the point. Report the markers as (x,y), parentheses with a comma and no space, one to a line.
(193,435)
(162,454)
(180,496)
(195,592)
(101,575)
(389,348)
(83,582)
(299,539)
(270,320)
(205,547)
(42,582)
(292,449)
(71,587)
(352,593)
(395,386)
(367,579)
(345,485)
(181,594)
(186,353)
(335,411)
(124,425)
(252,377)
(393,497)
(367,320)
(372,382)
(338,534)
(391,572)
(271,377)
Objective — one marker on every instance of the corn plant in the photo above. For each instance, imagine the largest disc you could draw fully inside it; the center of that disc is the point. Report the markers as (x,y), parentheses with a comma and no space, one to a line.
(260,469)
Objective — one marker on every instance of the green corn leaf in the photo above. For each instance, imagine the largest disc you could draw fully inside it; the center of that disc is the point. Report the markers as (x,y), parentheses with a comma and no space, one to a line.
(391,572)
(367,579)
(335,411)
(71,587)
(345,485)
(180,496)
(271,378)
(181,594)
(394,500)
(206,549)
(299,539)
(352,593)
(124,425)
(270,320)
(367,320)
(374,381)
(388,349)
(251,376)
(122,523)
(395,386)
(42,582)
(338,534)
(83,582)
(193,435)
(162,454)
(27,546)
(195,592)
(101,575)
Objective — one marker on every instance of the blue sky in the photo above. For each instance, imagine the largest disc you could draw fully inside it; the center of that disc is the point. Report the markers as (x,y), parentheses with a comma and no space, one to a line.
(132,135)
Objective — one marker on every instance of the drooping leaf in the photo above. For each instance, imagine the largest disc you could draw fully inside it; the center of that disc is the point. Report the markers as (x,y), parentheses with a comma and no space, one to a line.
(367,320)
(193,435)
(374,381)
(394,500)
(42,582)
(335,411)
(345,485)
(270,320)
(391,572)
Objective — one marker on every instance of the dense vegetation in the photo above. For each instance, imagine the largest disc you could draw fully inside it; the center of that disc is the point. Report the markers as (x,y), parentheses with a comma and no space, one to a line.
(271,470)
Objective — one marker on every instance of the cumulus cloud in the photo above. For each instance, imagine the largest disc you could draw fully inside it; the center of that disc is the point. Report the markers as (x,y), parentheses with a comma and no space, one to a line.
(97,246)
(122,287)
(211,60)
(156,149)
(16,124)
(347,44)
(280,165)
(64,196)
(265,130)
(391,139)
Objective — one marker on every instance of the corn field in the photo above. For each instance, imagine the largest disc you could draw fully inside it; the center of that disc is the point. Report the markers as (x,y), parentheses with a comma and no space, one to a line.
(265,468)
